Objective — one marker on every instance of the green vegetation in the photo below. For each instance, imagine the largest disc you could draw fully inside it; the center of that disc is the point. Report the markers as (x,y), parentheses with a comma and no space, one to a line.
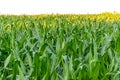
(60,47)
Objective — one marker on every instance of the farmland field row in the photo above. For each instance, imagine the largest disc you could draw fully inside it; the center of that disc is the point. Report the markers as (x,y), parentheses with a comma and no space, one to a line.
(60,47)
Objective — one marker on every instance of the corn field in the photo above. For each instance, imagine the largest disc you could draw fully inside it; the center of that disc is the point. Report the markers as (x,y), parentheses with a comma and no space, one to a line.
(60,47)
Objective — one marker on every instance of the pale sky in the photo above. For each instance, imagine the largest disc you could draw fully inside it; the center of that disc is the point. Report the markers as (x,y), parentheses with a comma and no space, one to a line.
(58,6)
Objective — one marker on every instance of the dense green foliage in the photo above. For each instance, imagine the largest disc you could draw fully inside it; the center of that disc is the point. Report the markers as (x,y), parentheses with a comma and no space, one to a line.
(60,47)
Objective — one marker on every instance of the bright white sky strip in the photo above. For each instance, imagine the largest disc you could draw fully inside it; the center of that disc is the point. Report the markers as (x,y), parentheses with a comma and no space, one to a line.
(58,6)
